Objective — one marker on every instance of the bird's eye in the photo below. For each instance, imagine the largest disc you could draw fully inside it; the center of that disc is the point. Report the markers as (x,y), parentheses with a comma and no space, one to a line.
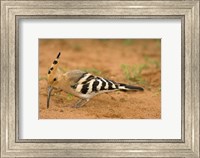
(54,79)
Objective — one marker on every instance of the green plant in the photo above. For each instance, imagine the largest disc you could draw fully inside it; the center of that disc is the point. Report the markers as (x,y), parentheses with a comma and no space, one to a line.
(63,69)
(77,48)
(92,70)
(42,78)
(145,47)
(151,61)
(128,42)
(159,88)
(69,96)
(133,73)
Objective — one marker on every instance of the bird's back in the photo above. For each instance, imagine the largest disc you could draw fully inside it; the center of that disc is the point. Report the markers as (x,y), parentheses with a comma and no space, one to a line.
(88,85)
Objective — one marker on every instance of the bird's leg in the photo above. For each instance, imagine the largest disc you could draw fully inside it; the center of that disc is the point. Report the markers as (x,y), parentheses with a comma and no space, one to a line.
(80,103)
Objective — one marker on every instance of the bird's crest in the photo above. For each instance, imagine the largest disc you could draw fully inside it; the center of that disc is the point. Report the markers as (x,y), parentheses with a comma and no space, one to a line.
(52,72)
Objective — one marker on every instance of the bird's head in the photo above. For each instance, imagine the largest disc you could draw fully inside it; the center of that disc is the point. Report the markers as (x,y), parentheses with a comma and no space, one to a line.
(53,77)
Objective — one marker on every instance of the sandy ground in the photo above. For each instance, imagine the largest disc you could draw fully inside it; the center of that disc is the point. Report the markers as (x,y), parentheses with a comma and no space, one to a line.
(104,58)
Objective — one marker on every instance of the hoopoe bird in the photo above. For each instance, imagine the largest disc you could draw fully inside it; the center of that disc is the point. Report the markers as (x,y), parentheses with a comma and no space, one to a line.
(82,84)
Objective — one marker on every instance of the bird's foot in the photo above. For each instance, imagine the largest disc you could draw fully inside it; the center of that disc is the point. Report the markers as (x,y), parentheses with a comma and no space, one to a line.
(80,103)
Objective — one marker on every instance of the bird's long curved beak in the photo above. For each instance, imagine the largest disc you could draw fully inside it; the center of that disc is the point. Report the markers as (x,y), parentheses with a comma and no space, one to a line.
(49,95)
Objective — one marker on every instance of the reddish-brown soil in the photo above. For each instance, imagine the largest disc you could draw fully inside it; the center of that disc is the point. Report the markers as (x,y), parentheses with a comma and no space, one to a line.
(104,58)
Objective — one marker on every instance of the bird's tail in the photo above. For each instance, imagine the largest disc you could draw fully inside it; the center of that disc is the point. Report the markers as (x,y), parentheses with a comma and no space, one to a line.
(125,87)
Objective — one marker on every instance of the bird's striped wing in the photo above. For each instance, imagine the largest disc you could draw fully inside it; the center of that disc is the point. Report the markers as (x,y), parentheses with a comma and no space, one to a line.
(89,83)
